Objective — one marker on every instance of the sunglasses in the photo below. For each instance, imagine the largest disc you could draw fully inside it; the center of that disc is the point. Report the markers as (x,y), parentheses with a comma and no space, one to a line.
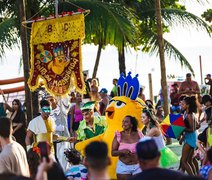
(46,110)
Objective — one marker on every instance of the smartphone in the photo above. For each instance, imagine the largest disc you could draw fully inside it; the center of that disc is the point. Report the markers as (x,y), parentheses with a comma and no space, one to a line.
(45,149)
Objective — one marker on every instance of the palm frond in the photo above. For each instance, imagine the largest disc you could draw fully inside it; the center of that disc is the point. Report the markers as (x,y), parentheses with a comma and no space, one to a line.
(175,17)
(107,23)
(170,51)
(8,35)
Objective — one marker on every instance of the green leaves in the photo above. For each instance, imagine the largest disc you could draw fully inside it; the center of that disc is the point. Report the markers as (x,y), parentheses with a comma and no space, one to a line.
(107,23)
(8,35)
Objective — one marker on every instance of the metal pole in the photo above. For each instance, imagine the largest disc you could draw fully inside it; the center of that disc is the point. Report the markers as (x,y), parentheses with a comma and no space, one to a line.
(56,8)
(200,64)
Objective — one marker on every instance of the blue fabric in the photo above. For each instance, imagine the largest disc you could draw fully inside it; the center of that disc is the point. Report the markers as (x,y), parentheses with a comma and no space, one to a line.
(175,109)
(2,111)
(69,121)
(204,171)
(128,86)
(191,139)
(77,172)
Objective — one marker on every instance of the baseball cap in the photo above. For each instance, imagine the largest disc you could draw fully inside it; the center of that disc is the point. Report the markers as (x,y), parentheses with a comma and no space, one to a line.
(103,90)
(147,149)
(208,75)
(88,106)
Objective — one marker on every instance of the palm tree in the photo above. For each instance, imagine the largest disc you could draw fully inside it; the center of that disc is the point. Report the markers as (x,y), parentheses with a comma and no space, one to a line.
(172,15)
(25,55)
(107,24)
(12,33)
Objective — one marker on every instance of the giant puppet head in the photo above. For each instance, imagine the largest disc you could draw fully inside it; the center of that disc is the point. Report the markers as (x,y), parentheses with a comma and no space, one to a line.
(125,103)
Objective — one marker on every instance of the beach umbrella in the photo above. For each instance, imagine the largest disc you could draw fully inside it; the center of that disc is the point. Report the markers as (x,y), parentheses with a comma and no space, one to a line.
(173,125)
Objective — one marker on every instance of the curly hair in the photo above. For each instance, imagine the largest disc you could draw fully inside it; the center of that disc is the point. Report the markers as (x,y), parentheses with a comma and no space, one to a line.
(134,123)
(72,156)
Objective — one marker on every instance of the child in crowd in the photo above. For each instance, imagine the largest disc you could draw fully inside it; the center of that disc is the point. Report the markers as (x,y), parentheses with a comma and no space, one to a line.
(77,171)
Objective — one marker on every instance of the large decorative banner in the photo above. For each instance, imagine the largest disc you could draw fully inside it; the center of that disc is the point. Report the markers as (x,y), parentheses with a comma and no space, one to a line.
(56,54)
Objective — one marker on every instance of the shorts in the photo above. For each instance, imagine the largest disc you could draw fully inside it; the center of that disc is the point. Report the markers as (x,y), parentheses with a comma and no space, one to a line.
(127,169)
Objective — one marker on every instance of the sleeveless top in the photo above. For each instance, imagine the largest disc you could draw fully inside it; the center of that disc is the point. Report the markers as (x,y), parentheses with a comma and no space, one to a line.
(159,141)
(129,146)
(78,116)
(209,139)
(2,111)
(186,122)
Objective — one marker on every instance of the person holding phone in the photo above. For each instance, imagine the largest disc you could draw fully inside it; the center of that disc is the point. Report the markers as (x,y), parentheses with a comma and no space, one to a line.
(189,87)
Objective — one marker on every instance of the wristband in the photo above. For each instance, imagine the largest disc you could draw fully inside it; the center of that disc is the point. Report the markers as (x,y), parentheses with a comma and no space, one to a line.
(28,147)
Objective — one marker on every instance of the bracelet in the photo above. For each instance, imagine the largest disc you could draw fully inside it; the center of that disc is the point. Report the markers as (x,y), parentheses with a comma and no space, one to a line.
(28,147)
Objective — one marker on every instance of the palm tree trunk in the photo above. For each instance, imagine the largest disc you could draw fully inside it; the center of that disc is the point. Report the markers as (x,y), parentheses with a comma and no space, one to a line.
(25,54)
(162,58)
(30,12)
(97,61)
(121,54)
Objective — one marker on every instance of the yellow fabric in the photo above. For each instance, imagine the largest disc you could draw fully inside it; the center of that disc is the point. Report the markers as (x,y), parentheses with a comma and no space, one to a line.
(60,70)
(46,136)
(209,137)
(114,121)
(49,126)
(166,121)
(58,29)
(62,138)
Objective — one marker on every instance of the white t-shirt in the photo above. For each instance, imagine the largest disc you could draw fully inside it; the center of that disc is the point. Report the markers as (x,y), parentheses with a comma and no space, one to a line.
(13,159)
(37,125)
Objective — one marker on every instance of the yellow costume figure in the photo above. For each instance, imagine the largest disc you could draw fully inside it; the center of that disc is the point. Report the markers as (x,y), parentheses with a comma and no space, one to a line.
(126,103)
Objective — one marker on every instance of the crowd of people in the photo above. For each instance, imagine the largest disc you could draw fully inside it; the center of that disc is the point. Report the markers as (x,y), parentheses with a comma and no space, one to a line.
(44,147)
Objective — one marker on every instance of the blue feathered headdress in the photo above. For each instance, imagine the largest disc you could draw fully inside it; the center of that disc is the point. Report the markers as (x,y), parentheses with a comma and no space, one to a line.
(128,86)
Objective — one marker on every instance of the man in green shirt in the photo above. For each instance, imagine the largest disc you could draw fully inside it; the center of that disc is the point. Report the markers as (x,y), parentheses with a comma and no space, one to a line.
(91,125)
(113,92)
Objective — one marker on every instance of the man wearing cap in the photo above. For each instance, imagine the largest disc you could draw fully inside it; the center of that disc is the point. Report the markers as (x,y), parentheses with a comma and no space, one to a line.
(174,96)
(104,101)
(149,158)
(189,87)
(91,125)
(208,81)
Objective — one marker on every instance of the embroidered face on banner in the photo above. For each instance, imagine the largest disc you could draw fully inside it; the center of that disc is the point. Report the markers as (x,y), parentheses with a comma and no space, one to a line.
(56,55)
